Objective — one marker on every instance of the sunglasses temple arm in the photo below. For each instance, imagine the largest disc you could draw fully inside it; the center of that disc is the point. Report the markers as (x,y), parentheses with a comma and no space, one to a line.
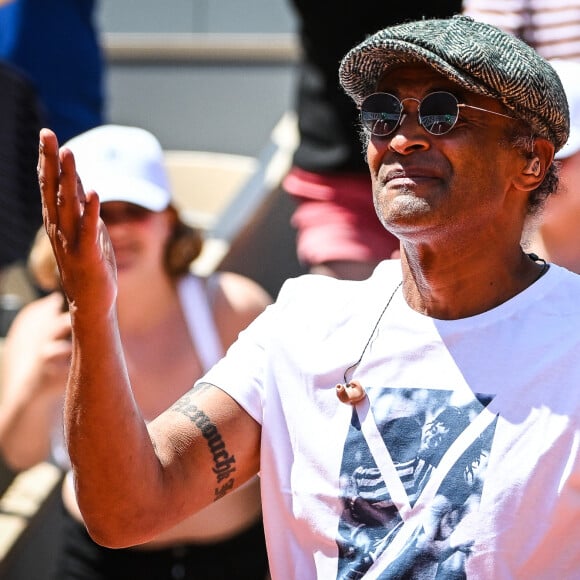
(485,110)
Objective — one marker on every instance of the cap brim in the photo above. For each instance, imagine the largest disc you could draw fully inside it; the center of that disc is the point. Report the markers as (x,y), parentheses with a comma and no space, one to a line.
(362,69)
(131,190)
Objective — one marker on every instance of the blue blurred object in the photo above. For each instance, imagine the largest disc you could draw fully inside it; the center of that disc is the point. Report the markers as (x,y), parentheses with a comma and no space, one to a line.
(56,45)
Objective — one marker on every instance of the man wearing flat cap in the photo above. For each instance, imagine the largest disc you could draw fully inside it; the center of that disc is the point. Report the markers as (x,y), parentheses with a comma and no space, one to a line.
(469,338)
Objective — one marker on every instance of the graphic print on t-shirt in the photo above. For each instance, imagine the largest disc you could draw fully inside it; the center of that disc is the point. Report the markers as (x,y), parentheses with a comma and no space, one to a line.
(412,472)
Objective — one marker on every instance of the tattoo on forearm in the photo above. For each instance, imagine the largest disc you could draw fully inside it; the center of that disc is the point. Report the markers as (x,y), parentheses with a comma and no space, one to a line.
(224,463)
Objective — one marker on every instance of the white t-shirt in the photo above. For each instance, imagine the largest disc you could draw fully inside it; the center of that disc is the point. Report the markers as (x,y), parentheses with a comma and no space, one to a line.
(467,460)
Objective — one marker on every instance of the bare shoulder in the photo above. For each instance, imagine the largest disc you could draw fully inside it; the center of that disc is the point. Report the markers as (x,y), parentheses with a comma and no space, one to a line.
(240,291)
(236,301)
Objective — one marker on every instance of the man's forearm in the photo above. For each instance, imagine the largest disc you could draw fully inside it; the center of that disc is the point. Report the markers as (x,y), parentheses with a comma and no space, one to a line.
(113,458)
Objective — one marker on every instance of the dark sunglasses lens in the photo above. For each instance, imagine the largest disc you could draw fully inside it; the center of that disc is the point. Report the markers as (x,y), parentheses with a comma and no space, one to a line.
(380,113)
(438,113)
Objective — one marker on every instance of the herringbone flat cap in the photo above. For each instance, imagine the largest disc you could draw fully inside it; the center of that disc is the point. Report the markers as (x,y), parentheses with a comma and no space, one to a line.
(477,56)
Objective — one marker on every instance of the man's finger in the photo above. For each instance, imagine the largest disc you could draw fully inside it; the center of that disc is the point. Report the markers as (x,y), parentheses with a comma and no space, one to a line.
(48,176)
(69,202)
(91,220)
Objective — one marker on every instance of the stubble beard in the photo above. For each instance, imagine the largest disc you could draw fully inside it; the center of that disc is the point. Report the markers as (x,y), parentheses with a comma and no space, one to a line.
(404,209)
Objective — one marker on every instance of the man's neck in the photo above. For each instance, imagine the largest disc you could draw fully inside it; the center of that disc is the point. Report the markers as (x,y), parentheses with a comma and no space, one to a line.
(450,289)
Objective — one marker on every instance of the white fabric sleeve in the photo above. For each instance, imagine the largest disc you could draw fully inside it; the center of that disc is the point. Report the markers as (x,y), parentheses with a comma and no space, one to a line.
(241,373)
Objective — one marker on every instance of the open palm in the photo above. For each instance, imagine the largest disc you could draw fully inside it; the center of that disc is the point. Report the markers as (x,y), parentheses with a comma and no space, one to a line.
(78,236)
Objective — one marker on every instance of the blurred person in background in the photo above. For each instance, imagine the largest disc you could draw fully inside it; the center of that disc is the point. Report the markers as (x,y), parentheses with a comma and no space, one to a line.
(174,327)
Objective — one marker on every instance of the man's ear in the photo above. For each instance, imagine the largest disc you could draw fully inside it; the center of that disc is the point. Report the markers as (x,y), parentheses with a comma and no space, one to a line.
(534,168)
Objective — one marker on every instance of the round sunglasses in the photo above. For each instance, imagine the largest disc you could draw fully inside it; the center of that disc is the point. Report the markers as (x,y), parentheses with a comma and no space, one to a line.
(382,113)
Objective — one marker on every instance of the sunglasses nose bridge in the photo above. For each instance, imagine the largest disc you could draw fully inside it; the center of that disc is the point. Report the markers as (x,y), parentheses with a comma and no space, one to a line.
(403,101)
(405,113)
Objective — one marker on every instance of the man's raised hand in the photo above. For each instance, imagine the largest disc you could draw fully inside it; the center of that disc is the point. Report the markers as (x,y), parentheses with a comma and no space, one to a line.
(79,239)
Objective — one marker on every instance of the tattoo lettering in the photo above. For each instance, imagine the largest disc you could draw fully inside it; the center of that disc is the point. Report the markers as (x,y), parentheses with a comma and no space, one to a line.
(221,491)
(224,463)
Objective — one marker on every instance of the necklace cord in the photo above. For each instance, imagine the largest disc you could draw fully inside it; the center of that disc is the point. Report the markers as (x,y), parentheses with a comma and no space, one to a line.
(355,364)
(545,265)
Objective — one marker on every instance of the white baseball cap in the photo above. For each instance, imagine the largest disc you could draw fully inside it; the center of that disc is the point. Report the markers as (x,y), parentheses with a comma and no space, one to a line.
(569,73)
(122,164)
